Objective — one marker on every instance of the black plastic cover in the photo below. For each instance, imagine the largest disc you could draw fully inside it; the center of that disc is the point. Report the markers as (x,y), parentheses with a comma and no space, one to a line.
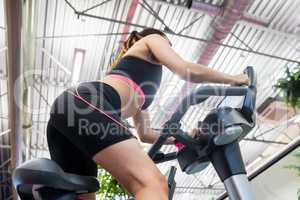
(47,173)
(227,160)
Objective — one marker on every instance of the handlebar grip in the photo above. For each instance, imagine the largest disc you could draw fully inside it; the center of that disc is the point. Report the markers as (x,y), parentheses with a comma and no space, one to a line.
(252,75)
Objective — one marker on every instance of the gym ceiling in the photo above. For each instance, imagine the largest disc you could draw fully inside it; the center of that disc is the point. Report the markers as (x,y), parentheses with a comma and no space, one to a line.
(225,35)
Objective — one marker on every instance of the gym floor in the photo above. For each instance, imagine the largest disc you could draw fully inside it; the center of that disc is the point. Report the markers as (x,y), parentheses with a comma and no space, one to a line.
(49,45)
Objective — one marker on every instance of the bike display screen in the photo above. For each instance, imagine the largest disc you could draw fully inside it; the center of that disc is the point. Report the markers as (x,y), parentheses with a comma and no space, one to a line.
(232,101)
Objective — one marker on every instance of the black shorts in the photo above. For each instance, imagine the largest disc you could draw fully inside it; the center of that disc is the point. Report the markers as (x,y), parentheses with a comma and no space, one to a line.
(76,131)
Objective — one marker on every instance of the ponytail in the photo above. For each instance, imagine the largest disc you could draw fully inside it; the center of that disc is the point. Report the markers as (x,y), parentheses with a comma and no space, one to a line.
(133,37)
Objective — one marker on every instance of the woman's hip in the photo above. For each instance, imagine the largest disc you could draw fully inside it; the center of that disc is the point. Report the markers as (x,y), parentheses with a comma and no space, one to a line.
(91,122)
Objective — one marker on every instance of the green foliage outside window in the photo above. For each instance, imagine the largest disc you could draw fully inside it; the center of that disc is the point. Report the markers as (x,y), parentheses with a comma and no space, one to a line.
(109,187)
(290,85)
(297,168)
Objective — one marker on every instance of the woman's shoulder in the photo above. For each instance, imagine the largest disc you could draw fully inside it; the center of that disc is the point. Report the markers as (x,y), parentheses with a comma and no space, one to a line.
(147,58)
(142,52)
(154,36)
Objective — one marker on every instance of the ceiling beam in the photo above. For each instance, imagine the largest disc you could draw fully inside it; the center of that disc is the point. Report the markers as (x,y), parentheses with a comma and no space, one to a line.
(4,132)
(214,10)
(233,11)
(3,164)
(96,6)
(185,36)
(57,62)
(208,41)
(129,18)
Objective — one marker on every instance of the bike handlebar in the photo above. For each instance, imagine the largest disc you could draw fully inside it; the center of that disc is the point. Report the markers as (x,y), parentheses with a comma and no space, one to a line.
(198,96)
(202,93)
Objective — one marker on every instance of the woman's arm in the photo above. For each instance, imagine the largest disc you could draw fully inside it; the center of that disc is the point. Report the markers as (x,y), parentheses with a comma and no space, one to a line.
(188,71)
(146,134)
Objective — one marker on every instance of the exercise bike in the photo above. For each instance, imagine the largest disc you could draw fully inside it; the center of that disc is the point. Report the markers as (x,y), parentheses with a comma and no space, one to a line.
(218,143)
(221,131)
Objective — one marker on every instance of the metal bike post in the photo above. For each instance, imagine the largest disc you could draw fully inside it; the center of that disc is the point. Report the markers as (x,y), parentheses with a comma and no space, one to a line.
(238,187)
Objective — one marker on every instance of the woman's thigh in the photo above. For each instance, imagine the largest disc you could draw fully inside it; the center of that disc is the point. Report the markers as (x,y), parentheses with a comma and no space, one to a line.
(130,165)
(70,158)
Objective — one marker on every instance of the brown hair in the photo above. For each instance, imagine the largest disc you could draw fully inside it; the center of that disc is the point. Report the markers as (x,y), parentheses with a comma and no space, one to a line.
(134,37)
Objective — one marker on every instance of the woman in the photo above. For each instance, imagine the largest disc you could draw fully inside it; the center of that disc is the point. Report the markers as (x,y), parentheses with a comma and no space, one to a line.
(80,135)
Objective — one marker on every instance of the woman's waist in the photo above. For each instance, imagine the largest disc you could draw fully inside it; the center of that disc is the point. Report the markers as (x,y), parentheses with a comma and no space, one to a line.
(120,96)
(99,90)
(131,99)
(129,82)
(94,93)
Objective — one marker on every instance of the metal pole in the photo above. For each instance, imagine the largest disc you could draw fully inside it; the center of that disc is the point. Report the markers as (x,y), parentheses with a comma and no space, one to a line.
(13,19)
(238,187)
(28,33)
(13,11)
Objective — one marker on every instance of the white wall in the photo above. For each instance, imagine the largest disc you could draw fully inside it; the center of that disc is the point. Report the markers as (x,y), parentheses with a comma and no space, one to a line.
(278,182)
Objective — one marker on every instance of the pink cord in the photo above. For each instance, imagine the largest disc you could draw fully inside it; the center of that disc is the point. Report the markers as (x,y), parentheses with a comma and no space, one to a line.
(98,109)
(178,145)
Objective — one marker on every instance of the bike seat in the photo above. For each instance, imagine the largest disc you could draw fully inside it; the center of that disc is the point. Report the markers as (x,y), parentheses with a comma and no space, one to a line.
(46,173)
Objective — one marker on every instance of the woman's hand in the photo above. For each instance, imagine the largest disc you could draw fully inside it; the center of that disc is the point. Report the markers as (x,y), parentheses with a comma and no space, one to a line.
(241,79)
(193,132)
